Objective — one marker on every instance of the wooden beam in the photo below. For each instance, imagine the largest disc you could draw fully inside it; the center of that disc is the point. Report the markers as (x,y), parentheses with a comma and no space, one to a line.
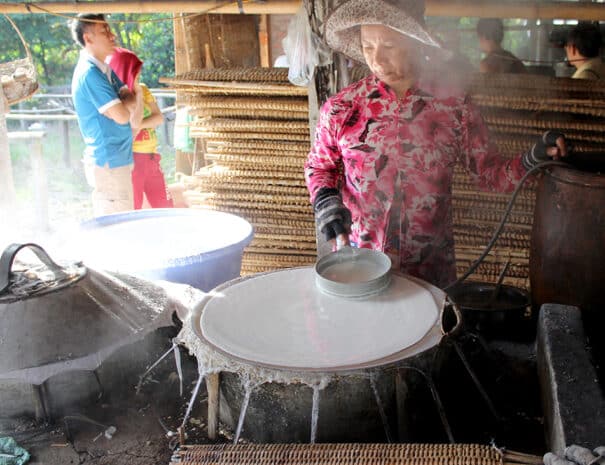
(153,6)
(516,9)
(453,8)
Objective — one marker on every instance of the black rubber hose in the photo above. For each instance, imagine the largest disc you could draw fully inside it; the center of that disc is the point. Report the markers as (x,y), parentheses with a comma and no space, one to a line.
(509,208)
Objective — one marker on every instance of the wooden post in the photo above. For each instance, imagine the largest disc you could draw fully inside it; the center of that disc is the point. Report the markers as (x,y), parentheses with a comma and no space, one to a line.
(22,124)
(40,181)
(181,65)
(325,83)
(264,32)
(66,144)
(7,185)
(165,133)
(212,387)
(38,174)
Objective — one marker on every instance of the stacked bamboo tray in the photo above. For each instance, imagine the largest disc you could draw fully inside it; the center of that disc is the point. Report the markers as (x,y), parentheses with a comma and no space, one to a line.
(517,110)
(254,126)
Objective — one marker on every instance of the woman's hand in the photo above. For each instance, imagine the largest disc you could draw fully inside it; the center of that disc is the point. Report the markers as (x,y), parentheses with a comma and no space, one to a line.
(333,218)
(551,146)
(559,149)
(342,240)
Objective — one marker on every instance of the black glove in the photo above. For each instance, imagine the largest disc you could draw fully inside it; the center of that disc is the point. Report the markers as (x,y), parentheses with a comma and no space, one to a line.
(537,153)
(333,218)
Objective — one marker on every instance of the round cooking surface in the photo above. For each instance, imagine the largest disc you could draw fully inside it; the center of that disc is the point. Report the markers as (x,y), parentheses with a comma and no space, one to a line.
(282,319)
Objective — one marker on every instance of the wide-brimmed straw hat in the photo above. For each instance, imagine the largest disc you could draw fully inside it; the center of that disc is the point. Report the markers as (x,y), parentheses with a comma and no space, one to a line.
(342,28)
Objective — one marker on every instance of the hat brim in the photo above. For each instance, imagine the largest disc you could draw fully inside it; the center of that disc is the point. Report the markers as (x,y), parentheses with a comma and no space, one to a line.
(343,25)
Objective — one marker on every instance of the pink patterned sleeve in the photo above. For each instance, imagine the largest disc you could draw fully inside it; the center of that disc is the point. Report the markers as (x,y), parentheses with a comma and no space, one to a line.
(488,169)
(322,168)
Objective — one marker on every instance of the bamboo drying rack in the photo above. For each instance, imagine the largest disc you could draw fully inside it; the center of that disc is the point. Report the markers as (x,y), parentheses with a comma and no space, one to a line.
(350,454)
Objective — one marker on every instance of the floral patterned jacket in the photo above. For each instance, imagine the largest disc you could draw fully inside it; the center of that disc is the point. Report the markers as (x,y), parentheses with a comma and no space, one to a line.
(393,160)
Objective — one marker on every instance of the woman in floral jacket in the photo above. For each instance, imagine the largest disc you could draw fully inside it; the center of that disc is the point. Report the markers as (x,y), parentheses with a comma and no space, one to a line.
(380,170)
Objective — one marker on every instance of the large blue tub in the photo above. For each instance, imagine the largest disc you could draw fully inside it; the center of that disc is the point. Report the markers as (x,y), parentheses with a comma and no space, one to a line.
(196,247)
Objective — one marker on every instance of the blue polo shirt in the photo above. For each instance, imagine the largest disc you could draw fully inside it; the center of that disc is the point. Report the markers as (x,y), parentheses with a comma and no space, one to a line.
(94,89)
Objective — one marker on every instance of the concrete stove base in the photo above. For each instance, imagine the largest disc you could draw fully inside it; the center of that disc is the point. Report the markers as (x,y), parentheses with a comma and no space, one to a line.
(573,402)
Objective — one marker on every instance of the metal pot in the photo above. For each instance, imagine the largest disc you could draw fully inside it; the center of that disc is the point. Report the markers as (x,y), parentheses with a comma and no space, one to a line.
(56,319)
(275,402)
(491,312)
(353,272)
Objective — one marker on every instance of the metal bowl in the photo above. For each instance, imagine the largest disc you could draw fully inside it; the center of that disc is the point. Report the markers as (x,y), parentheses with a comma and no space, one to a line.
(352,272)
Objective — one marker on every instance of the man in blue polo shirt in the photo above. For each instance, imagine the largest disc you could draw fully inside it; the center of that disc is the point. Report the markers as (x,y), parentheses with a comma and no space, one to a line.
(104,107)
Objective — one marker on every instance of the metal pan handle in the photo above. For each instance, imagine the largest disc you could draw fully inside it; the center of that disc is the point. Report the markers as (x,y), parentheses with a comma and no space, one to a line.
(8,257)
(451,318)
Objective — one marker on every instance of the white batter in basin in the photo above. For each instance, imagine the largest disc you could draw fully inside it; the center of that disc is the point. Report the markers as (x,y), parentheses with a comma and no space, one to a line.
(281,319)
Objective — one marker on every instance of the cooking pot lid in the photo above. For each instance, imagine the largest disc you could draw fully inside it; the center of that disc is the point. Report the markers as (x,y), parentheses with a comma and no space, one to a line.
(23,279)
(76,326)
(282,319)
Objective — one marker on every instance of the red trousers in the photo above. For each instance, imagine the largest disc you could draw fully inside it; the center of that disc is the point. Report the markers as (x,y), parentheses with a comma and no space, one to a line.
(148,179)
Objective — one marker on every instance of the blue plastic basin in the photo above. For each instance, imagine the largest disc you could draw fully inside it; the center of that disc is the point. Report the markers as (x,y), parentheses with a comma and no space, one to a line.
(197,247)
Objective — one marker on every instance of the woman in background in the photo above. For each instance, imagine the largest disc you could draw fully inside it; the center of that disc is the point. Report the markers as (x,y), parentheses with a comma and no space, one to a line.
(147,175)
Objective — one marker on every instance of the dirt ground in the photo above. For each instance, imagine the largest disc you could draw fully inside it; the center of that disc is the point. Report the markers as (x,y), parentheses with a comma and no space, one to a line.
(140,421)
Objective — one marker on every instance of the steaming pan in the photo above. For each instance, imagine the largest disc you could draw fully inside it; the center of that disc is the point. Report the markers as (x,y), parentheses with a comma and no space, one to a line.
(353,272)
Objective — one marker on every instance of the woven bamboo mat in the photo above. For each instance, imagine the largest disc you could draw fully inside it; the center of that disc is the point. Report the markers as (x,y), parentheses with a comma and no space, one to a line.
(250,160)
(292,239)
(349,454)
(255,75)
(219,89)
(543,125)
(535,105)
(591,139)
(248,204)
(279,222)
(300,193)
(535,84)
(246,212)
(249,103)
(276,261)
(253,176)
(276,249)
(251,113)
(269,147)
(230,135)
(251,82)
(251,125)
(288,178)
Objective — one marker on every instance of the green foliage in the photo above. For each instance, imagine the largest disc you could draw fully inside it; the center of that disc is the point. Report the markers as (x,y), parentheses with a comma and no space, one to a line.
(55,53)
(151,38)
